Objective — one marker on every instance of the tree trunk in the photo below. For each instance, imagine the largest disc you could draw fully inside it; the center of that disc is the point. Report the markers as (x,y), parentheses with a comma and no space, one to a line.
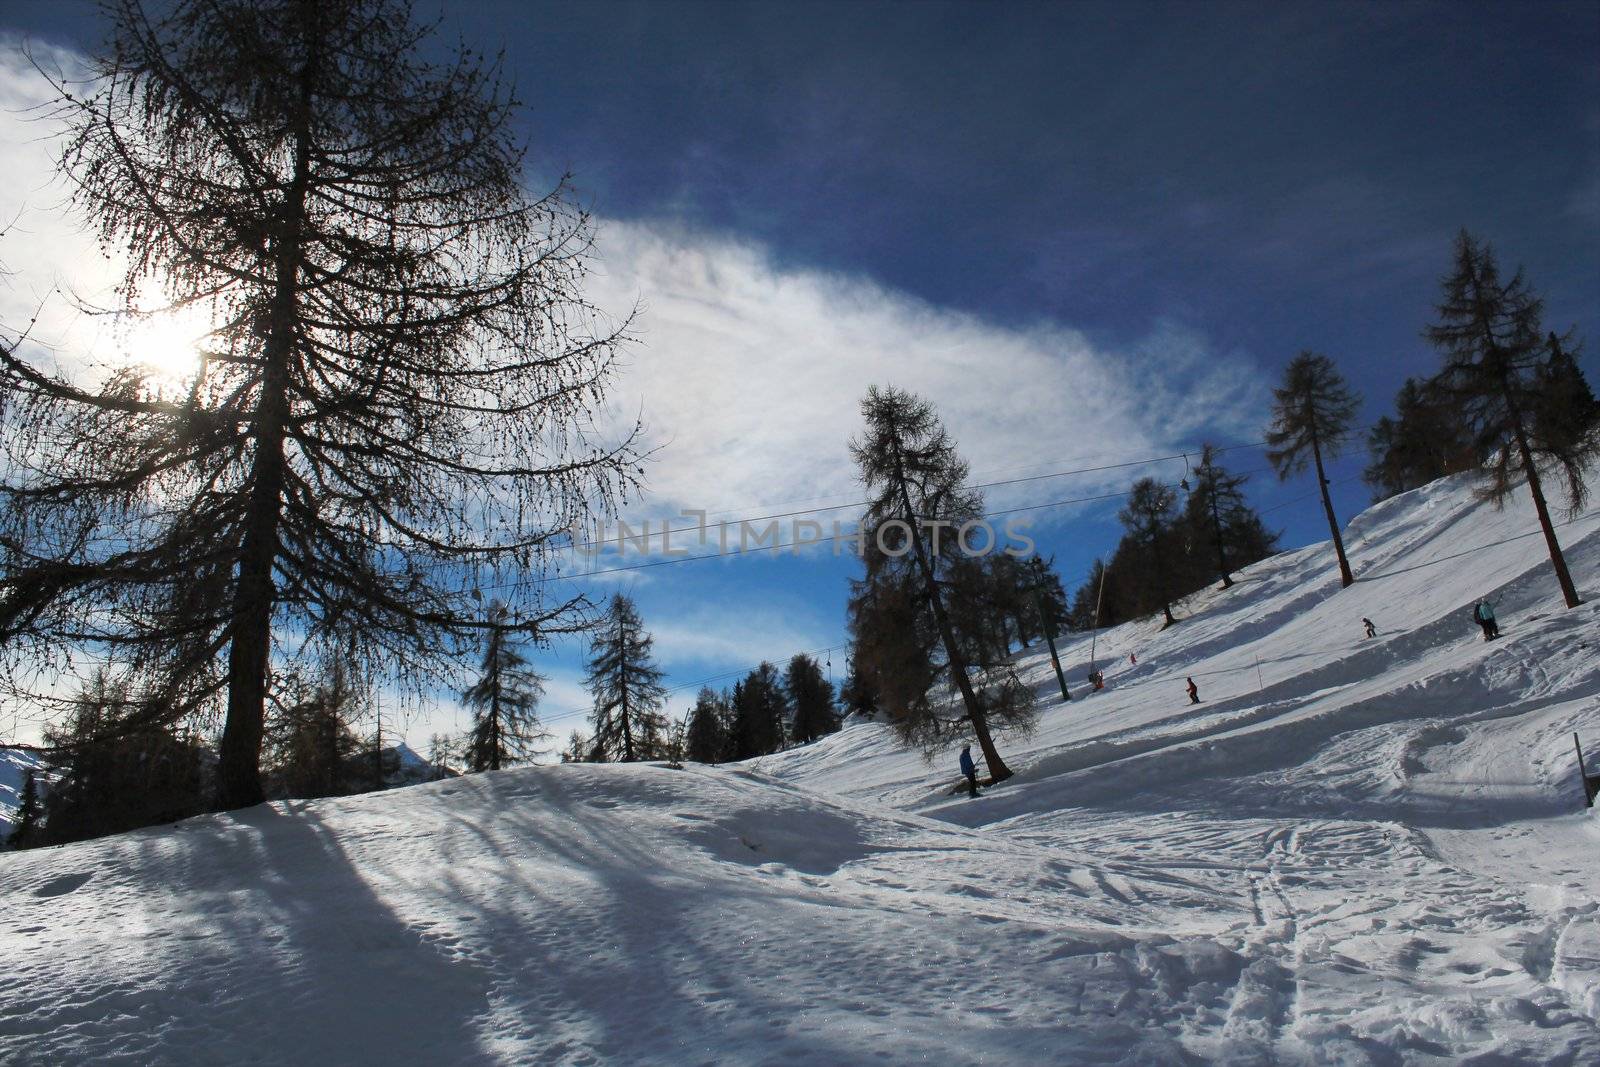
(1569,592)
(1216,528)
(255,593)
(998,771)
(1345,575)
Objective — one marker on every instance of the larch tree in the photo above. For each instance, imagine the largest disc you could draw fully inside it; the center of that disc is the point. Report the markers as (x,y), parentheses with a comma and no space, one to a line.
(1218,517)
(1490,335)
(1148,520)
(1311,415)
(905,638)
(310,743)
(504,701)
(629,725)
(396,395)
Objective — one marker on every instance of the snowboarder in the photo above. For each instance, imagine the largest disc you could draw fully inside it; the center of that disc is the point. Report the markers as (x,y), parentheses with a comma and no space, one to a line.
(1372,631)
(1194,691)
(969,770)
(1097,680)
(1133,658)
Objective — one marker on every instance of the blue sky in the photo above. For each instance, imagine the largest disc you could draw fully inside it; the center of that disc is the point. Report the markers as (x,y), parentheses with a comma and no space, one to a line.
(1091,232)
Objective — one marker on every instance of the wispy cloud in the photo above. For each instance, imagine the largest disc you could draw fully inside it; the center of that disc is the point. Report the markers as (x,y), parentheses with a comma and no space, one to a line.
(750,374)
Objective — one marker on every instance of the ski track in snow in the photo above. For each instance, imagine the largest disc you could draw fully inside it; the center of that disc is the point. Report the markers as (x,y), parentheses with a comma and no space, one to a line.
(1353,852)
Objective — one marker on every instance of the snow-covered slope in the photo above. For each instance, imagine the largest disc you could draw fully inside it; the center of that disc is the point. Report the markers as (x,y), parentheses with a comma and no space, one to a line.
(1354,851)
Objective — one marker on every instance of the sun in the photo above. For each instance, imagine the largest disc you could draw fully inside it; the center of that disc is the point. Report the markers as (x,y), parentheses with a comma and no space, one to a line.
(166,343)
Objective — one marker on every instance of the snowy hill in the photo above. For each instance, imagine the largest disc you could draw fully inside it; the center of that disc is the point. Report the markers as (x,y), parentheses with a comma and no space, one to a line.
(1353,851)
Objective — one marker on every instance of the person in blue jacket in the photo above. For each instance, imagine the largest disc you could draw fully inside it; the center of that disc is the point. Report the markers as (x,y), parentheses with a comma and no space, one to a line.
(1483,615)
(969,770)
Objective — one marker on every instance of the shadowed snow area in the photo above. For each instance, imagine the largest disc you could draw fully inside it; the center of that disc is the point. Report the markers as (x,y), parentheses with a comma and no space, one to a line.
(1354,851)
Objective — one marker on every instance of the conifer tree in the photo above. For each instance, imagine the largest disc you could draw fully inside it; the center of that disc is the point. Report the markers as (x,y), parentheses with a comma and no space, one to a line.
(628,722)
(811,697)
(1427,439)
(1566,414)
(856,695)
(1490,337)
(311,744)
(706,738)
(396,393)
(504,701)
(906,636)
(27,828)
(1148,520)
(115,771)
(1311,415)
(760,710)
(1218,519)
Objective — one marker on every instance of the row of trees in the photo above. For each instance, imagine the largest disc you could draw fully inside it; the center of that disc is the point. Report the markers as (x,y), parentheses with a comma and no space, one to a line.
(764,712)
(1168,553)
(1508,399)
(927,623)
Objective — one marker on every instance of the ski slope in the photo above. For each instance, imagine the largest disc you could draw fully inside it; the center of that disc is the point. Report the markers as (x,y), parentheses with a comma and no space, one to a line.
(1353,851)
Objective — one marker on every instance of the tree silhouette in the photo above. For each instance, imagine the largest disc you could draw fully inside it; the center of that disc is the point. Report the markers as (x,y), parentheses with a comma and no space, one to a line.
(628,723)
(1490,335)
(905,637)
(1148,519)
(1311,414)
(504,701)
(396,394)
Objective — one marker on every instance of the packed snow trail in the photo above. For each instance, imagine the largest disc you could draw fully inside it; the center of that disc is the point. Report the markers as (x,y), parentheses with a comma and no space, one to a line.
(1361,851)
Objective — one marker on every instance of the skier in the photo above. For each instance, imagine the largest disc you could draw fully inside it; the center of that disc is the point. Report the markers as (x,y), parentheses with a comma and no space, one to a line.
(1372,631)
(1483,615)
(1194,691)
(969,770)
(1490,627)
(1133,658)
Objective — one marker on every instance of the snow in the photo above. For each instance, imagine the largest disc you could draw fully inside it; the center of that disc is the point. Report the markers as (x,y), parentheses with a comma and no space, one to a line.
(1353,851)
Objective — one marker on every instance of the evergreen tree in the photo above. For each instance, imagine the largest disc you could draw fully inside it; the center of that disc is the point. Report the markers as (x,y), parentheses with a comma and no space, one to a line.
(27,829)
(1427,439)
(906,636)
(119,765)
(311,746)
(628,722)
(1311,415)
(760,709)
(443,752)
(578,749)
(1490,336)
(1148,519)
(1566,413)
(504,702)
(706,737)
(400,378)
(1223,532)
(811,697)
(856,695)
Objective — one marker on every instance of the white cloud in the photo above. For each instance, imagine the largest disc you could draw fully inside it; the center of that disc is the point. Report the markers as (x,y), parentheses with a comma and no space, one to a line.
(750,376)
